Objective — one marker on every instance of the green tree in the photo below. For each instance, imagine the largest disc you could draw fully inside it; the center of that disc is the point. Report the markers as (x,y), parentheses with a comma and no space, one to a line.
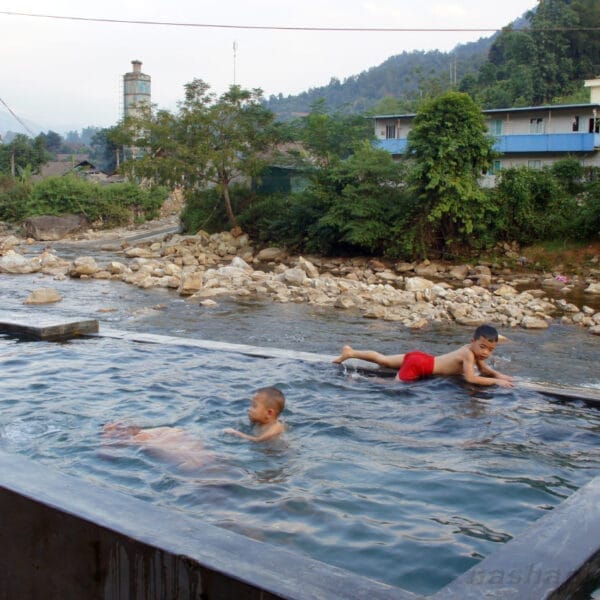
(208,141)
(53,141)
(451,149)
(22,152)
(332,137)
(371,186)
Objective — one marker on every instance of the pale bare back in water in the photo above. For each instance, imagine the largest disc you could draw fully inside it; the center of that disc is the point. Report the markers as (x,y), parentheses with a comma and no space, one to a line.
(169,443)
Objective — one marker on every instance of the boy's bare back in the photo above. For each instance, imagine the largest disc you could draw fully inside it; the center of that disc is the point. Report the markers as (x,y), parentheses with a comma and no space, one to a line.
(453,363)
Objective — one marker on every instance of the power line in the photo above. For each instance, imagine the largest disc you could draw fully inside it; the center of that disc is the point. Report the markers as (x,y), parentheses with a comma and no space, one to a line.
(291,28)
(17,118)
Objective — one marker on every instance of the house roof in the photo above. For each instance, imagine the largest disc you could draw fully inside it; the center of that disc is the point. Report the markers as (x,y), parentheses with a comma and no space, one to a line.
(503,110)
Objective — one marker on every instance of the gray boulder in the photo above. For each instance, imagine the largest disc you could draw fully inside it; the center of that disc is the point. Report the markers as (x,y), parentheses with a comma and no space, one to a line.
(52,228)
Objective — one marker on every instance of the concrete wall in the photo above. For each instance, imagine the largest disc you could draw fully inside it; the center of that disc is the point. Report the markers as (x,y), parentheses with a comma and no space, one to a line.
(65,539)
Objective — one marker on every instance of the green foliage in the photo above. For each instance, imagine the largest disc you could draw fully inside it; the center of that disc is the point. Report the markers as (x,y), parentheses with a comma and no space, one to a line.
(329,137)
(61,195)
(370,187)
(204,209)
(208,141)
(545,63)
(22,152)
(286,220)
(587,224)
(110,205)
(13,196)
(450,148)
(406,79)
(538,205)
(570,173)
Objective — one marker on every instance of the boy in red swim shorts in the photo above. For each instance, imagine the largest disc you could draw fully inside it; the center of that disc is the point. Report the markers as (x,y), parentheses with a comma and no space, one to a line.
(417,365)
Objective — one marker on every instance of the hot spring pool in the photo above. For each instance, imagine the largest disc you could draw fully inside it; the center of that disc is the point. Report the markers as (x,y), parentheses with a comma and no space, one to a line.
(407,484)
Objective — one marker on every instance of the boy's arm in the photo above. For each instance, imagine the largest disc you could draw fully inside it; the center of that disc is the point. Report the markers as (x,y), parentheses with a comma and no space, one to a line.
(471,377)
(273,431)
(486,370)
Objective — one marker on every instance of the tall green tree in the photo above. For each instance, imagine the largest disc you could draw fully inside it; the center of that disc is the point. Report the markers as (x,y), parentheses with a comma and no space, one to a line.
(330,137)
(23,152)
(210,140)
(451,149)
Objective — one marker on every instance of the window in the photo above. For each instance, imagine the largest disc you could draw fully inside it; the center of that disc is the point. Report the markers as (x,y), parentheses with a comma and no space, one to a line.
(390,132)
(575,123)
(495,168)
(536,125)
(534,164)
(496,127)
(594,125)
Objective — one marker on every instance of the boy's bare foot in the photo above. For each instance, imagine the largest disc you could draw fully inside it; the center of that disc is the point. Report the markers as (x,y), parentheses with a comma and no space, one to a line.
(345,355)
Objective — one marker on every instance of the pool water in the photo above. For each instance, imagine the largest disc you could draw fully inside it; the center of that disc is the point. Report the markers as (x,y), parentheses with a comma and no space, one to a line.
(409,484)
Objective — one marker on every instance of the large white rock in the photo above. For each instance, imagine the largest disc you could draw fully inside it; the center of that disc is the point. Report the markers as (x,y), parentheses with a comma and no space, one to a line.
(414,284)
(15,263)
(43,296)
(269,254)
(531,322)
(83,265)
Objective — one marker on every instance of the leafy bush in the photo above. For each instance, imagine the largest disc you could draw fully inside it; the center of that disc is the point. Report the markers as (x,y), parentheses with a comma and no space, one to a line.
(205,209)
(289,221)
(588,217)
(13,196)
(108,205)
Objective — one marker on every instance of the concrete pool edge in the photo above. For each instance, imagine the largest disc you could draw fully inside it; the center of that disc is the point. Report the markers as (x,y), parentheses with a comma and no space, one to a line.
(557,392)
(66,538)
(555,557)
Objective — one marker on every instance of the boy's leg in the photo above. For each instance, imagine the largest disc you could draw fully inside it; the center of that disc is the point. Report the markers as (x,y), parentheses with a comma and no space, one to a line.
(392,361)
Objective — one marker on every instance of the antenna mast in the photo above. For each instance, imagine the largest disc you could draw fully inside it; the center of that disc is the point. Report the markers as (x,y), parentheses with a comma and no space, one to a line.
(234,59)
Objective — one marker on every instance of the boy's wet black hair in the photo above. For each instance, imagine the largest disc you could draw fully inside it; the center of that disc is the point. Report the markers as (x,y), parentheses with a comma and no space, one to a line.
(486,331)
(273,397)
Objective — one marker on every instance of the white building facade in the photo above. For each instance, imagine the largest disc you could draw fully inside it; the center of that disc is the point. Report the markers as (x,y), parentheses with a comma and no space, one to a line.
(532,136)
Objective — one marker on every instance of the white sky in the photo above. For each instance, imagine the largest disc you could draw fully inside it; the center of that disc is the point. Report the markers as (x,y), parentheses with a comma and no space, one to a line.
(68,74)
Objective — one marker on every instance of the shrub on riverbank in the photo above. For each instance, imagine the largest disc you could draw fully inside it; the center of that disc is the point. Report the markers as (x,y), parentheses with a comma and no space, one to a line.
(343,212)
(107,206)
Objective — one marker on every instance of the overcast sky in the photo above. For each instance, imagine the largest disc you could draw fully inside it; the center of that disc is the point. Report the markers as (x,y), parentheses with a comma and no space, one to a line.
(67,74)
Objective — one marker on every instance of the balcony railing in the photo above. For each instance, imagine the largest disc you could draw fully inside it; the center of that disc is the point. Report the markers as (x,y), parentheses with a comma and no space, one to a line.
(530,143)
(548,142)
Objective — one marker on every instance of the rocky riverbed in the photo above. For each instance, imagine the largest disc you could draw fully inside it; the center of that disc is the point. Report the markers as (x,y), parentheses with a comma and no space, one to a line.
(203,268)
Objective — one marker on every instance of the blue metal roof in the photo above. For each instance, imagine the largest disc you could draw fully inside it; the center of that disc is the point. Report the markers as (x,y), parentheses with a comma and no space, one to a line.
(498,110)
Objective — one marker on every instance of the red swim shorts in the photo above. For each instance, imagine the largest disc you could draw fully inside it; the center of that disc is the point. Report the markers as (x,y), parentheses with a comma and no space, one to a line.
(416,365)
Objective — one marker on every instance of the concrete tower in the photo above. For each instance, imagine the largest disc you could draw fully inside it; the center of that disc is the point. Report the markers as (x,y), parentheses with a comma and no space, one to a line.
(136,90)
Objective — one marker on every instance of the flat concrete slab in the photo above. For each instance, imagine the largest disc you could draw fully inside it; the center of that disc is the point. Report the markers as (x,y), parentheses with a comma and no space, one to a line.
(47,328)
(566,393)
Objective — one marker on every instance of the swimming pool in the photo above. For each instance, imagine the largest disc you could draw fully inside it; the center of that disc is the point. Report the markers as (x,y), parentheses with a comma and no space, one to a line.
(407,484)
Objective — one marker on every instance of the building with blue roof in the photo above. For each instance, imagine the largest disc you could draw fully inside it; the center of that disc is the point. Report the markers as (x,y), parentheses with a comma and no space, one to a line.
(532,136)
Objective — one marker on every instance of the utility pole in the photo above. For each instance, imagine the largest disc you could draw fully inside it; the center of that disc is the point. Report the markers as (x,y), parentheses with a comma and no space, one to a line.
(234,59)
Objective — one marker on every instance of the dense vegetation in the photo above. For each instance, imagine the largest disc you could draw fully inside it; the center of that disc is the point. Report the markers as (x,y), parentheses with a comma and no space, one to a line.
(428,205)
(104,205)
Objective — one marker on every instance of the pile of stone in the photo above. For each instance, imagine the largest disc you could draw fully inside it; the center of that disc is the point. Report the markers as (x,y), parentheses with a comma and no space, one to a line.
(204,267)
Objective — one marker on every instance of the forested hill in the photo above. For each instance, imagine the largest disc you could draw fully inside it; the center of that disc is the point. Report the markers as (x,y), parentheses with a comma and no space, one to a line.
(404,77)
(542,58)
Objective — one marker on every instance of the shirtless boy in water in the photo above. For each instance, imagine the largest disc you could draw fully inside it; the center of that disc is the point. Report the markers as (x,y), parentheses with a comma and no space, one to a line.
(417,365)
(265,408)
